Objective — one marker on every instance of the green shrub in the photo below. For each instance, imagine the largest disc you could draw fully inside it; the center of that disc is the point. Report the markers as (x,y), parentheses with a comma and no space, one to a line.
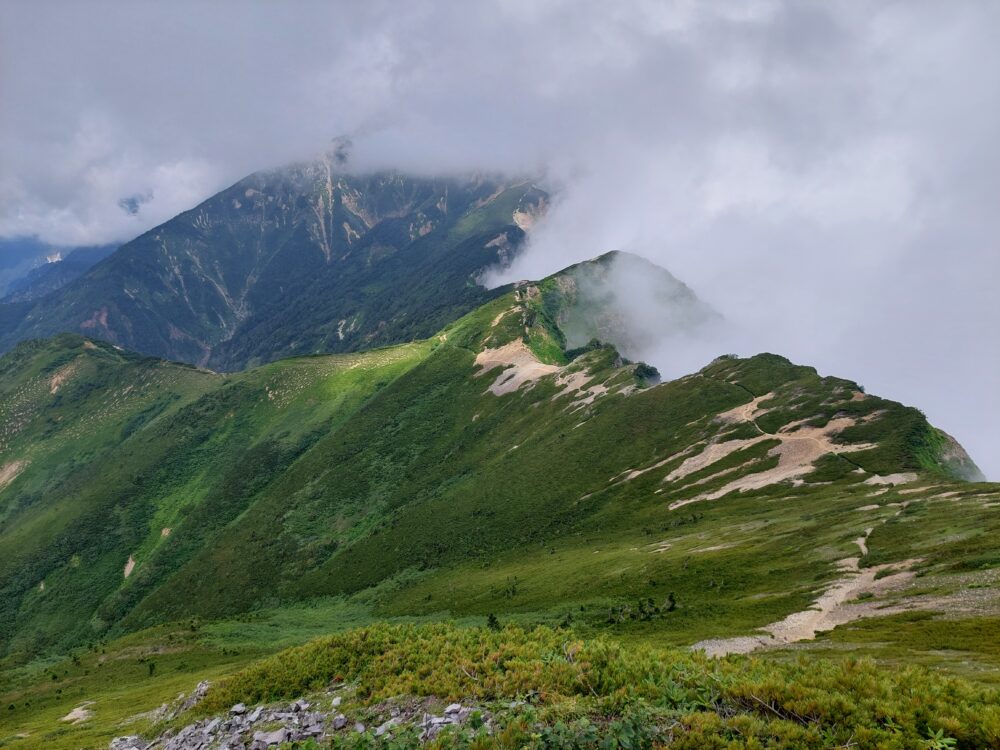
(597,693)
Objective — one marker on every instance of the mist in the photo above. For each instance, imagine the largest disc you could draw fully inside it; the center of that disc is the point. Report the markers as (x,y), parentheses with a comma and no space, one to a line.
(823,175)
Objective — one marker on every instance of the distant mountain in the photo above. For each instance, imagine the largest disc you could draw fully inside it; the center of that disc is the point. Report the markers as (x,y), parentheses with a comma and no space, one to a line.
(487,468)
(18,255)
(295,261)
(59,269)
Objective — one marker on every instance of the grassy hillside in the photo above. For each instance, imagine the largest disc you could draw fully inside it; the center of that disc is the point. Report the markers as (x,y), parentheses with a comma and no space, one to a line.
(111,457)
(489,470)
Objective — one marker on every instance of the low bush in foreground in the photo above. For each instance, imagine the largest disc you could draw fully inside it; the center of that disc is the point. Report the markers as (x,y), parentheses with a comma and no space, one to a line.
(597,693)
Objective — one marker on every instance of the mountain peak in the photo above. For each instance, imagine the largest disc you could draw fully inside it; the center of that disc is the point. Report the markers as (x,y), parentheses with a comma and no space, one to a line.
(625,300)
(299,260)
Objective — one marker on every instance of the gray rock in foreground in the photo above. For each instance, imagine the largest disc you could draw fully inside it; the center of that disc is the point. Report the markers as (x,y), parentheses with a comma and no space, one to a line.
(264,727)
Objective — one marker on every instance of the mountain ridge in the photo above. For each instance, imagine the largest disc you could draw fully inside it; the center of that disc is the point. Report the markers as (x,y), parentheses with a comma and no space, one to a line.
(164,526)
(289,480)
(299,259)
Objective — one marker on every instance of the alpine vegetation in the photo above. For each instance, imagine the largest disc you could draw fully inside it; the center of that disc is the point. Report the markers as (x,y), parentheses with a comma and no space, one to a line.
(549,376)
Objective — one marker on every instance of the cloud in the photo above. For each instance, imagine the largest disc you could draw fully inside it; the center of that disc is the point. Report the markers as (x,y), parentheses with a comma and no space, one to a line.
(824,174)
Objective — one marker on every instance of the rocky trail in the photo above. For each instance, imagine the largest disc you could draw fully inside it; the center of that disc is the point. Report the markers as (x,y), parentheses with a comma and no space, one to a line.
(847,599)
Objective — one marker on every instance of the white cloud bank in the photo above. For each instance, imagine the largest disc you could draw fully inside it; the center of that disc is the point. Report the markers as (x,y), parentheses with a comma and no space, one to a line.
(826,174)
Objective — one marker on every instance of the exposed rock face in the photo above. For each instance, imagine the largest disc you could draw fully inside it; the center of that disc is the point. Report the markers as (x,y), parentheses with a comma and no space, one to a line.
(265,727)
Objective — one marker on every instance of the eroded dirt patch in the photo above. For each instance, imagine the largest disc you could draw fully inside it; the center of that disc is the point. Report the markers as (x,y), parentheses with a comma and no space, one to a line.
(61,377)
(79,714)
(847,599)
(893,479)
(10,470)
(837,605)
(520,365)
(523,368)
(800,446)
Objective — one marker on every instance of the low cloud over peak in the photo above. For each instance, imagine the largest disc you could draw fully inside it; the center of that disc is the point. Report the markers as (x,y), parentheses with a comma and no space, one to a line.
(824,174)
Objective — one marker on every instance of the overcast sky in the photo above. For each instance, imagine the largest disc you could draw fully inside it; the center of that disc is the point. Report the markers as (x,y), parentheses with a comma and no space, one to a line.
(826,174)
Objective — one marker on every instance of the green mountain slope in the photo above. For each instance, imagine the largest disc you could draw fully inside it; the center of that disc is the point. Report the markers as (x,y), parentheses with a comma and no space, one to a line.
(295,261)
(164,524)
(109,454)
(485,469)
